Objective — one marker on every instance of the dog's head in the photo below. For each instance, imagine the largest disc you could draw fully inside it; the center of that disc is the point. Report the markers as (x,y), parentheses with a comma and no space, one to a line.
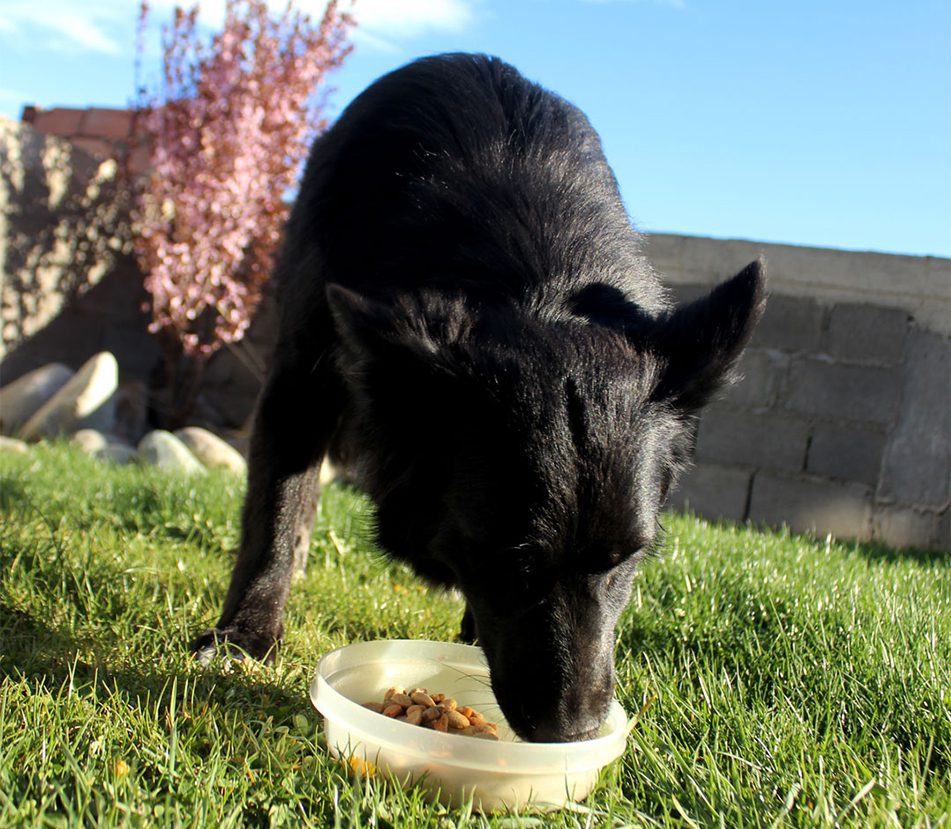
(526,460)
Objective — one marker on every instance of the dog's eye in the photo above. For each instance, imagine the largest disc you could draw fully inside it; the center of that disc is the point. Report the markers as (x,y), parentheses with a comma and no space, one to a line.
(613,583)
(606,562)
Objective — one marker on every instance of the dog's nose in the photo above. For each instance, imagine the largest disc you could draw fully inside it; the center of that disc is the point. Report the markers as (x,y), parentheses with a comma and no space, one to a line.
(563,730)
(554,722)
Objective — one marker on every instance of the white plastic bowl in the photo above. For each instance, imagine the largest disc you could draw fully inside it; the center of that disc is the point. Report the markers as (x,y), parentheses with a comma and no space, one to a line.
(451,767)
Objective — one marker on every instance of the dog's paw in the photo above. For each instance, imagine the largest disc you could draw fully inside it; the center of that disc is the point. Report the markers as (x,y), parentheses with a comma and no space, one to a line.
(236,644)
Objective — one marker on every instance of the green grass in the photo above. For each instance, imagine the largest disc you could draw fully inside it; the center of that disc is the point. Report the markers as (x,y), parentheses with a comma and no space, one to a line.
(776,680)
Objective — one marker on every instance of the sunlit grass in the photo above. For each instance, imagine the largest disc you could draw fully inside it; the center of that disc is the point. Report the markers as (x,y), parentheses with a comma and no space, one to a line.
(776,680)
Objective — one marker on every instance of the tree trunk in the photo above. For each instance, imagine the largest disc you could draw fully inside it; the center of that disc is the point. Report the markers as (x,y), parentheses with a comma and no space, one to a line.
(177,390)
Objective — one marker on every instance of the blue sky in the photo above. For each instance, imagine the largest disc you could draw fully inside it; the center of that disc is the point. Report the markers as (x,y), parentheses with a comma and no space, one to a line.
(812,123)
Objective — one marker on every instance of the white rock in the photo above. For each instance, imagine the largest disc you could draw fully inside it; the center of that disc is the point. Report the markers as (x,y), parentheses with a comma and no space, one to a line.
(21,398)
(104,447)
(84,400)
(211,450)
(91,441)
(12,445)
(119,453)
(167,452)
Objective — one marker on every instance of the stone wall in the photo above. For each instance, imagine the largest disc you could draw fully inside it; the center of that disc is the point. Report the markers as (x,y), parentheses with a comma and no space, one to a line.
(842,423)
(69,284)
(63,227)
(98,131)
(840,426)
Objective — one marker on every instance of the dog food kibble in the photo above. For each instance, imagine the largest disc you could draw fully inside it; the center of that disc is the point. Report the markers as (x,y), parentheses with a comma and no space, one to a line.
(420,698)
(436,711)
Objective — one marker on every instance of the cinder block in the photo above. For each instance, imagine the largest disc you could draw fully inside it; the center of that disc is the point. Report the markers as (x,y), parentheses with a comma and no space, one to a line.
(224,406)
(59,121)
(850,454)
(139,160)
(247,383)
(713,491)
(844,391)
(867,333)
(685,294)
(917,465)
(137,350)
(907,527)
(77,339)
(790,324)
(99,122)
(96,147)
(761,373)
(812,505)
(120,294)
(771,441)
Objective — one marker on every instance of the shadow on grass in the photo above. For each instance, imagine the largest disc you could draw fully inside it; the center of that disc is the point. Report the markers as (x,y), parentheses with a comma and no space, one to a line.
(879,552)
(872,550)
(13,495)
(46,658)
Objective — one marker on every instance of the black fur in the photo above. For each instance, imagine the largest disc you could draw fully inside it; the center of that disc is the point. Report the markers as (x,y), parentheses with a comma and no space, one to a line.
(468,320)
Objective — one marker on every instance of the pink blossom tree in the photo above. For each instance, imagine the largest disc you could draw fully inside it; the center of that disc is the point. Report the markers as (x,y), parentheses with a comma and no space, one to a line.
(228,131)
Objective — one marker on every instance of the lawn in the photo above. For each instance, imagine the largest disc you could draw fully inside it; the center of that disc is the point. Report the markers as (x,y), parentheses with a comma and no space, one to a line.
(776,680)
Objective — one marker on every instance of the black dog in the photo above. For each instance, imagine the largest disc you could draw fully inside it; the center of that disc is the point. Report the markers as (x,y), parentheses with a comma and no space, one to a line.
(466,317)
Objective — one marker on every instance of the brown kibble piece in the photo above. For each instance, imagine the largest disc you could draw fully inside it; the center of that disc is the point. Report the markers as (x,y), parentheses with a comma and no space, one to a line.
(431,714)
(472,730)
(457,720)
(437,711)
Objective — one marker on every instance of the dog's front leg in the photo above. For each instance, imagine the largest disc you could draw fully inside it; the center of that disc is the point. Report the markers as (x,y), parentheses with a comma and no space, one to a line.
(296,417)
(467,630)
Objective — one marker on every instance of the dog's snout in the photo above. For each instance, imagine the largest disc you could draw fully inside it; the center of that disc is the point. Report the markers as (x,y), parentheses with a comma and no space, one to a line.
(558,718)
(560,730)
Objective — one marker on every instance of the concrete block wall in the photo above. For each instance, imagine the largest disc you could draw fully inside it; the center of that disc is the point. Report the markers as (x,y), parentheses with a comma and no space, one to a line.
(64,229)
(69,283)
(842,421)
(235,373)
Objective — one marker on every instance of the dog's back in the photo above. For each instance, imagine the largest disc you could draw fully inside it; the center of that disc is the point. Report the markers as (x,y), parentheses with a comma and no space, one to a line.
(456,173)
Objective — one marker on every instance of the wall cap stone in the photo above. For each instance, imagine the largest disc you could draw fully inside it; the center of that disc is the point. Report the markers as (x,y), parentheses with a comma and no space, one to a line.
(920,285)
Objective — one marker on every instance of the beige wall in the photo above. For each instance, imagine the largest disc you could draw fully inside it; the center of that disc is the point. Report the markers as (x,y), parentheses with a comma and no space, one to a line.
(842,422)
(920,285)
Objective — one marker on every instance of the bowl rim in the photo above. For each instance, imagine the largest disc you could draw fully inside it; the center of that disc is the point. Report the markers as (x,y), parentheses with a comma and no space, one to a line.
(508,757)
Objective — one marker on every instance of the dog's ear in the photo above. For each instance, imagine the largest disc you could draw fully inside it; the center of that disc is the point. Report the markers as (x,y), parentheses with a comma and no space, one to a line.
(701,342)
(363,324)
(383,331)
